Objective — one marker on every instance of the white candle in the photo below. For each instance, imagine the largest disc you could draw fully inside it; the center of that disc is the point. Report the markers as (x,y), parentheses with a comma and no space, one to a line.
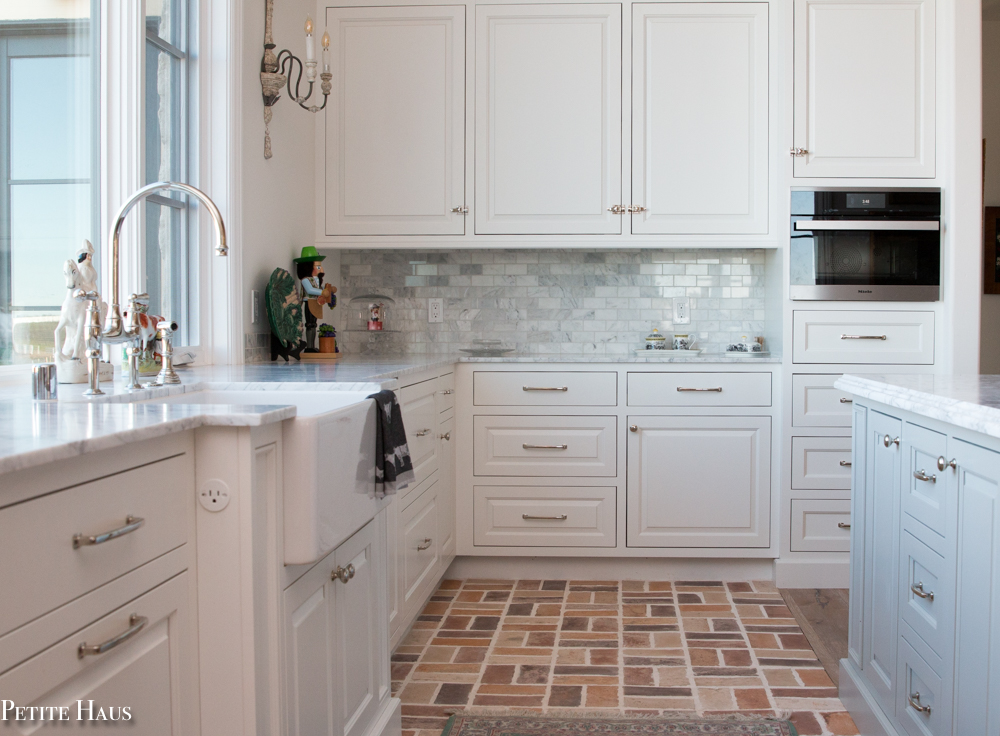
(310,47)
(326,49)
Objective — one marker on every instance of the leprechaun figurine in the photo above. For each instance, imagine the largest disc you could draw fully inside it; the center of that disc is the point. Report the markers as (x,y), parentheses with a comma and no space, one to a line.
(309,270)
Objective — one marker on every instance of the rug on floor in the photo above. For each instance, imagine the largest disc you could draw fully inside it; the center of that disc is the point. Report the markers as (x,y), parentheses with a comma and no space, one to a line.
(525,725)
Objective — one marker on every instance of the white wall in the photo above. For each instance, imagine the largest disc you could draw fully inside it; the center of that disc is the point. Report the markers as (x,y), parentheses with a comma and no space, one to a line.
(278,194)
(989,360)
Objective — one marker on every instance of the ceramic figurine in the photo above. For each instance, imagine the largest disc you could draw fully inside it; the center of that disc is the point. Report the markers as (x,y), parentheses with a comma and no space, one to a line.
(71,331)
(309,269)
(284,314)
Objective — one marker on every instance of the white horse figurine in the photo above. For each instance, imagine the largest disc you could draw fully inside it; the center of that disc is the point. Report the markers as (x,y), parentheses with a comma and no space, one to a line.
(71,332)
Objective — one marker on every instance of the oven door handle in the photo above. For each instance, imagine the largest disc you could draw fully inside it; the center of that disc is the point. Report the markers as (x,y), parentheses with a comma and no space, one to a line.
(867,225)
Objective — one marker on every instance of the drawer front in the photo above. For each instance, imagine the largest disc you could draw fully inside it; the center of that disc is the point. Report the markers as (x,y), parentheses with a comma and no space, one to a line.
(822,525)
(446,392)
(926,591)
(863,337)
(545,446)
(421,547)
(816,403)
(37,536)
(926,488)
(821,463)
(920,687)
(544,388)
(541,516)
(699,389)
(420,418)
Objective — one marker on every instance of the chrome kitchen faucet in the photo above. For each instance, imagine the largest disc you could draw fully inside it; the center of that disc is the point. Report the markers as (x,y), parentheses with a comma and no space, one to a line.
(119,332)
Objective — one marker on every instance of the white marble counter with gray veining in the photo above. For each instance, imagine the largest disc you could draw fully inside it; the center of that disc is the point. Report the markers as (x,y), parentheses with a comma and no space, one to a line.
(967,401)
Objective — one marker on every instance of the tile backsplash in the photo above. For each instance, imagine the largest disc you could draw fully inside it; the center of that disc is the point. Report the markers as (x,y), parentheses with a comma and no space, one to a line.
(552,302)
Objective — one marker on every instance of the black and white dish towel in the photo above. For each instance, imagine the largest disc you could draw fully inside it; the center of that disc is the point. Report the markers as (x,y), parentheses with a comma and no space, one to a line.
(393,468)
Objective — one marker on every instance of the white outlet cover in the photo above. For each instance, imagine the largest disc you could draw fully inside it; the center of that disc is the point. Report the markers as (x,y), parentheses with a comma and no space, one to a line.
(682,310)
(213,495)
(435,310)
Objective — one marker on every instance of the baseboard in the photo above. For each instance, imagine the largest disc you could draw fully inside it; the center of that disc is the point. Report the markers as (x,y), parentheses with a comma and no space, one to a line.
(812,574)
(605,568)
(389,721)
(855,696)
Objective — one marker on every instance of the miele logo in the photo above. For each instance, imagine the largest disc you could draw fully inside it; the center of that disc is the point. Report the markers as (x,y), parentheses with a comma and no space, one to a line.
(864,291)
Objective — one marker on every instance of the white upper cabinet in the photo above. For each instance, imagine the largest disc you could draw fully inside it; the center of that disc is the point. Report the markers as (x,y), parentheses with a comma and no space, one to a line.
(395,121)
(700,117)
(548,119)
(864,88)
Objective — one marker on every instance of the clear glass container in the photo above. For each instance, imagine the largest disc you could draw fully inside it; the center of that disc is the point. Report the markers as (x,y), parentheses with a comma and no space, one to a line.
(371,313)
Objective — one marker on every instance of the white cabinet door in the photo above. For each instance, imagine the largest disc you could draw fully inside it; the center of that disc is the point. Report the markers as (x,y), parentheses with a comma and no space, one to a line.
(393,568)
(864,88)
(700,117)
(395,121)
(680,495)
(548,119)
(446,489)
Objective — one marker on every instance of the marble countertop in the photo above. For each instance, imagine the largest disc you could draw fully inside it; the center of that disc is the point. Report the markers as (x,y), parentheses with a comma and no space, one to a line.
(967,401)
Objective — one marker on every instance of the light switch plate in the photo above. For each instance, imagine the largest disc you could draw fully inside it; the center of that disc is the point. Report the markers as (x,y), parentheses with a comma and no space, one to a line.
(682,310)
(254,307)
(435,310)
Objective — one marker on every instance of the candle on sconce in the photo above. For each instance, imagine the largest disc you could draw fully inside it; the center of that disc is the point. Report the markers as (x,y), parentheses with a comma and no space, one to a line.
(326,49)
(310,48)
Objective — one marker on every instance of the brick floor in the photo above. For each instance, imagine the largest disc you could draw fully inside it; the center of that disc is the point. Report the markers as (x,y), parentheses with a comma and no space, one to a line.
(704,647)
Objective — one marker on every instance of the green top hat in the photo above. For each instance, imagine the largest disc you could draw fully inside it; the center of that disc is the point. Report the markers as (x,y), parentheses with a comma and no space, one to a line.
(309,255)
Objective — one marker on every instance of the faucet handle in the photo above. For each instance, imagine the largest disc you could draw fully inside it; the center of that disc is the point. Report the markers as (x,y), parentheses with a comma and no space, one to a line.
(86,296)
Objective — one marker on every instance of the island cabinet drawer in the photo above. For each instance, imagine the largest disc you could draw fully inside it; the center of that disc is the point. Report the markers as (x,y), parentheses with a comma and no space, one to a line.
(821,525)
(923,700)
(545,446)
(543,516)
(820,463)
(62,545)
(926,587)
(418,404)
(816,403)
(927,493)
(421,547)
(863,337)
(699,389)
(545,388)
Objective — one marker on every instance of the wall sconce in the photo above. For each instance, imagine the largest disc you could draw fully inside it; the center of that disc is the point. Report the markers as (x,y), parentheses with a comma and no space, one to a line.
(276,70)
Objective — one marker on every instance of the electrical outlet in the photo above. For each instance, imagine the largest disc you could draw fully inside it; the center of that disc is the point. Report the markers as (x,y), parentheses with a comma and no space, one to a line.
(682,310)
(254,307)
(213,495)
(435,310)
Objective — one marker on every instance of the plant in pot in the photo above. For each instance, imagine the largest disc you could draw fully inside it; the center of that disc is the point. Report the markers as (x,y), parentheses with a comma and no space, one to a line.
(327,339)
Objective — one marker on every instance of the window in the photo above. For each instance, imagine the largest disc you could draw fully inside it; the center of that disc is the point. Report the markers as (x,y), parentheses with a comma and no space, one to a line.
(49,189)
(170,265)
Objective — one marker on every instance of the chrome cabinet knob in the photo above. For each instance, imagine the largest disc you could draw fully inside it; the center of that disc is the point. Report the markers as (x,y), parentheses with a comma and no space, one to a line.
(942,463)
(887,440)
(633,428)
(343,574)
(446,436)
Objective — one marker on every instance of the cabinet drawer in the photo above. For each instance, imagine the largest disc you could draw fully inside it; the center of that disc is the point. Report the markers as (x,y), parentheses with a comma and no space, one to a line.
(37,536)
(820,463)
(926,488)
(544,388)
(925,589)
(420,418)
(699,389)
(446,392)
(545,446)
(816,403)
(919,686)
(863,337)
(822,525)
(421,547)
(542,516)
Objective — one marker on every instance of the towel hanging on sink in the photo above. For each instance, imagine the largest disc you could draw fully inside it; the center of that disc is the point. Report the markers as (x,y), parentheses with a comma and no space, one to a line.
(393,468)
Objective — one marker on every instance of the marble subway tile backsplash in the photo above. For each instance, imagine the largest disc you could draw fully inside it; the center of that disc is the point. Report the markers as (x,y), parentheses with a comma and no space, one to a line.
(552,302)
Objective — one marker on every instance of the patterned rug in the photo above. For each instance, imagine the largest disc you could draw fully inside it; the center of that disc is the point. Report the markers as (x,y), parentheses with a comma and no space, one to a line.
(524,725)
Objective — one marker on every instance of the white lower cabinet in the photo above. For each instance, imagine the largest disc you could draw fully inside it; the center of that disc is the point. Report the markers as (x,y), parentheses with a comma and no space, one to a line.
(544,516)
(335,639)
(681,493)
(446,513)
(420,550)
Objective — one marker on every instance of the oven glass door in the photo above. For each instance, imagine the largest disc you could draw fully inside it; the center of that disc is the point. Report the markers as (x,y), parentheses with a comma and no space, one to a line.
(857,253)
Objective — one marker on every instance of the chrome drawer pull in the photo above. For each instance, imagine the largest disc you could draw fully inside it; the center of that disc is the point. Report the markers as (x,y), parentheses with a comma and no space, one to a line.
(918,590)
(131,524)
(422,433)
(425,545)
(343,574)
(921,475)
(914,702)
(942,463)
(717,389)
(862,337)
(845,400)
(136,624)
(845,463)
(887,440)
(448,392)
(528,517)
(545,388)
(843,525)
(545,447)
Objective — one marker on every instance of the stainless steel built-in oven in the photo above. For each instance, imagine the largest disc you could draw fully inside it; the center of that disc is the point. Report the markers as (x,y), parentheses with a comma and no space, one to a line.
(866,246)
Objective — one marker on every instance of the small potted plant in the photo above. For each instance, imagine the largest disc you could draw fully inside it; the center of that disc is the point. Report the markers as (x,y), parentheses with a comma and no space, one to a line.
(327,339)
